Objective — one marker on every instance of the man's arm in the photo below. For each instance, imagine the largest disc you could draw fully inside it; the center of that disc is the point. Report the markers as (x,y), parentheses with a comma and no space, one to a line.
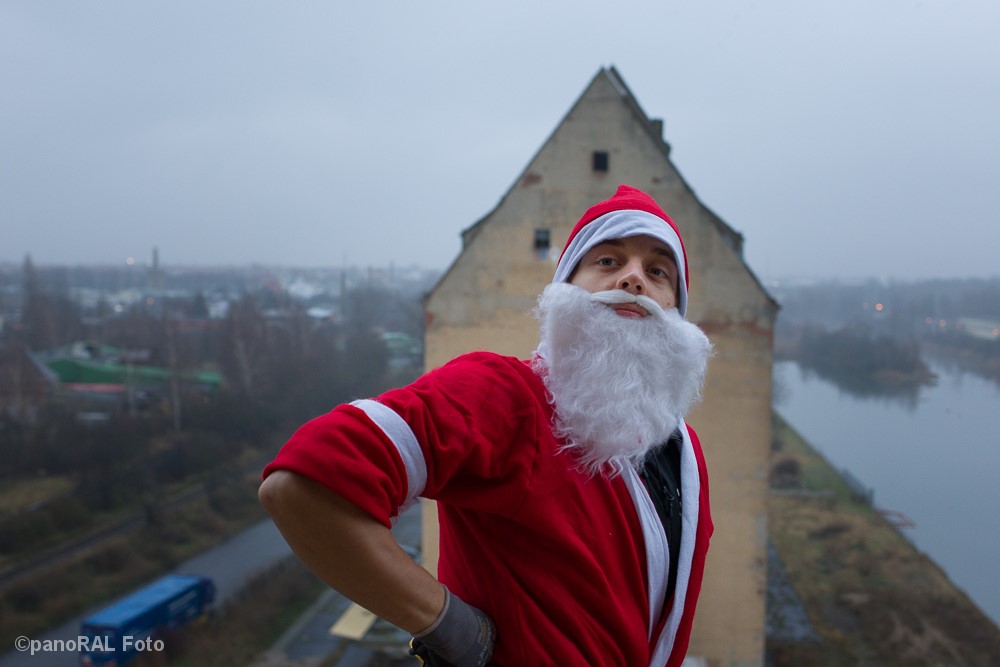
(351,551)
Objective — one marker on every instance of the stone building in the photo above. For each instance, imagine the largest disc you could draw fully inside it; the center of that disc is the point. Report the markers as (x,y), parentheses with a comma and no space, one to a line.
(484,301)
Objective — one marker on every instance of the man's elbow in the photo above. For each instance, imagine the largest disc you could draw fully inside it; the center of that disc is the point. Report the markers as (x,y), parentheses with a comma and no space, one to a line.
(299,505)
(279,490)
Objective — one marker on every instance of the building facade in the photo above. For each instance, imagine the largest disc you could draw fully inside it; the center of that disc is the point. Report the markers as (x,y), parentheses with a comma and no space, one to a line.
(485,298)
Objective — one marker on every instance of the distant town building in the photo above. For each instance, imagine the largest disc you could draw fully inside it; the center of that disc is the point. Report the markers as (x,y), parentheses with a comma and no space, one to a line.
(484,299)
(980,329)
(102,379)
(26,383)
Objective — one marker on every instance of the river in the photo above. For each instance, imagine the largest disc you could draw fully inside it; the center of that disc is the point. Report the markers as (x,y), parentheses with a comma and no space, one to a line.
(934,457)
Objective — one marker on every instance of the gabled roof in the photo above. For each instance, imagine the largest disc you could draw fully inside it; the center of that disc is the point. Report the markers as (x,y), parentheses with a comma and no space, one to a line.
(654,129)
(43,370)
(652,126)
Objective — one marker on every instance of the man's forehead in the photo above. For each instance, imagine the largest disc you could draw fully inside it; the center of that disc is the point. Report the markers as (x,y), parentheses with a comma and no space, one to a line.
(656,245)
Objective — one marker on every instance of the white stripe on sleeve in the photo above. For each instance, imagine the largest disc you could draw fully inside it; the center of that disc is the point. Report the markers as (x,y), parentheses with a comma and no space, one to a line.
(401,435)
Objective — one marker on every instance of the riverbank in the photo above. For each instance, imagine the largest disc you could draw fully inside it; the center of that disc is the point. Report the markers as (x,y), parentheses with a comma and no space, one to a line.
(865,594)
(931,457)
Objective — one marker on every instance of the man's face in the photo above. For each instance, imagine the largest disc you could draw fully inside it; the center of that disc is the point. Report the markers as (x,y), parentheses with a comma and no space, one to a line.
(636,264)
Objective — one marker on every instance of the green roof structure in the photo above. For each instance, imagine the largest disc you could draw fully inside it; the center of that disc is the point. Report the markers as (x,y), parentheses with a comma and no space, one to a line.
(79,371)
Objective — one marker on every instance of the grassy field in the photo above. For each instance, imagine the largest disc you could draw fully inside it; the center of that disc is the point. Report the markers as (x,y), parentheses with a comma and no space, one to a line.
(122,563)
(871,596)
(17,495)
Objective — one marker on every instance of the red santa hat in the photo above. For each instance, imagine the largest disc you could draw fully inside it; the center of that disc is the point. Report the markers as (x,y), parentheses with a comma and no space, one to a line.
(630,212)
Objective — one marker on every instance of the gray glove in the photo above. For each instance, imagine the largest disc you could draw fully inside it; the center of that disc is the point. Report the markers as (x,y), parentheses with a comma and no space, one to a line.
(462,635)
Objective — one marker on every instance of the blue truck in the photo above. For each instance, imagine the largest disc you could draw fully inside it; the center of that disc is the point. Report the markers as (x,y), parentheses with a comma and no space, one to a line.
(139,623)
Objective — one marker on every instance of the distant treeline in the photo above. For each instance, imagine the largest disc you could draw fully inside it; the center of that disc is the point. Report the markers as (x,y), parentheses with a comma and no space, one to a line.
(863,362)
(890,307)
(869,337)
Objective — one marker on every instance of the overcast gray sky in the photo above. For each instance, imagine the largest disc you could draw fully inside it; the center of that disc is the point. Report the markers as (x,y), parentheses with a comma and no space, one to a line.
(841,137)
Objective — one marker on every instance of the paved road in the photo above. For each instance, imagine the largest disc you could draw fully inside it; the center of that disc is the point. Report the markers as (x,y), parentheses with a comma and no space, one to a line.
(230,565)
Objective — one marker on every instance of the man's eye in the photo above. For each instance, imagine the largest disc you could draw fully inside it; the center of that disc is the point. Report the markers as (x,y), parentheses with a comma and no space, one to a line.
(605,261)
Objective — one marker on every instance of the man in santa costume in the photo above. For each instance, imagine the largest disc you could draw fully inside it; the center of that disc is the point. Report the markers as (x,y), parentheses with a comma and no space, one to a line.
(572,497)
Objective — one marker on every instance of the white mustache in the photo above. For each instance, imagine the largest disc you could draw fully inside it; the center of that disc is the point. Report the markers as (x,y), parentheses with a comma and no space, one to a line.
(616,296)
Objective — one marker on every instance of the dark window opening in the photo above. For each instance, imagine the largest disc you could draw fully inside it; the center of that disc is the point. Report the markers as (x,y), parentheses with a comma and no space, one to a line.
(600,161)
(542,243)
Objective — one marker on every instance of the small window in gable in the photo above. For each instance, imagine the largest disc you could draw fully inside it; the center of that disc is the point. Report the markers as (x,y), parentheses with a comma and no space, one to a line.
(599,161)
(542,243)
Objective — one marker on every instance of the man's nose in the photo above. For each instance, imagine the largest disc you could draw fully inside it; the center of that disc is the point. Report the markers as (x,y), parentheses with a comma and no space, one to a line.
(632,280)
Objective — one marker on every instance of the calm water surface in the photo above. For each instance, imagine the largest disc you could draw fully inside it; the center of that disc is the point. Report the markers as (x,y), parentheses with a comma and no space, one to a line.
(935,457)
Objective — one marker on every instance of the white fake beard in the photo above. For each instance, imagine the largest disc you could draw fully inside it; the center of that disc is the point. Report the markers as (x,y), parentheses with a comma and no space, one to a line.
(620,386)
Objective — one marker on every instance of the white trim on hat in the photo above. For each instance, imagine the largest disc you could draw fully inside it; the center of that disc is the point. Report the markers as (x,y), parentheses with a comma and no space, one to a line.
(619,225)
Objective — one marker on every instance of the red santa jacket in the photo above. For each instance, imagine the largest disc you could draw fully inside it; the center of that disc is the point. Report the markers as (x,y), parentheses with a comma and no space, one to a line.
(572,568)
